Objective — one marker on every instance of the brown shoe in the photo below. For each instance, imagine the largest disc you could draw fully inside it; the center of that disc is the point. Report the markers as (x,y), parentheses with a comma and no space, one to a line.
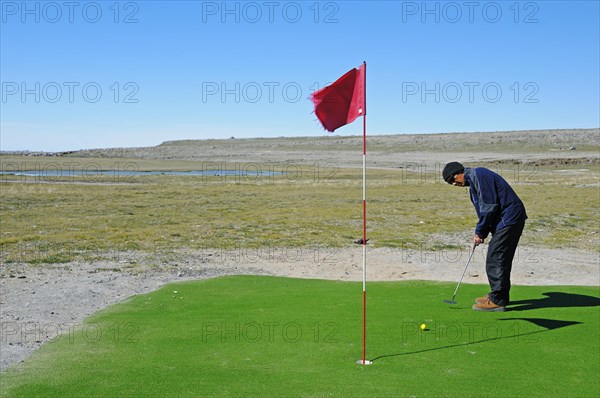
(489,306)
(481,300)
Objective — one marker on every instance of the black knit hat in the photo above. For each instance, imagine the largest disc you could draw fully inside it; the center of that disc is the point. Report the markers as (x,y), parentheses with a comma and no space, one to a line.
(451,169)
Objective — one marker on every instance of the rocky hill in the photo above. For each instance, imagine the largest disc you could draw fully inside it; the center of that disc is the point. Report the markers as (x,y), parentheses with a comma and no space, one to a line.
(562,146)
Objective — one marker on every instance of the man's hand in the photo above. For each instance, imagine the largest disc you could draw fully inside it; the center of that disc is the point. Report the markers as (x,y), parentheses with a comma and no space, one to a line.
(477,240)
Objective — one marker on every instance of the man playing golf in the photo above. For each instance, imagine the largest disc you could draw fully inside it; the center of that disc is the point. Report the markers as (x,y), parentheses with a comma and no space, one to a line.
(500,213)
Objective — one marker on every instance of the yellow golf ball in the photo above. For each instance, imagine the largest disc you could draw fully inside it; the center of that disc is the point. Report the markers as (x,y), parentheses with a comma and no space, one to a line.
(423,326)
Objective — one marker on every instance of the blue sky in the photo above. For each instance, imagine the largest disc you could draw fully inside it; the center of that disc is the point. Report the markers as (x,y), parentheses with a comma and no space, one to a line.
(91,74)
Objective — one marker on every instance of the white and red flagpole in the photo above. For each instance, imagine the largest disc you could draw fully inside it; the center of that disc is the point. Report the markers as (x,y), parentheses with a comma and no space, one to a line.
(364,224)
(336,105)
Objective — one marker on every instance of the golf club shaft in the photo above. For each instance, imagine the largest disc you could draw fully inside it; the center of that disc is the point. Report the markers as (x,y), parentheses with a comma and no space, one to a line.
(463,274)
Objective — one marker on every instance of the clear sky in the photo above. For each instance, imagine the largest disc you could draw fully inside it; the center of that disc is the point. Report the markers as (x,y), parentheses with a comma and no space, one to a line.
(91,74)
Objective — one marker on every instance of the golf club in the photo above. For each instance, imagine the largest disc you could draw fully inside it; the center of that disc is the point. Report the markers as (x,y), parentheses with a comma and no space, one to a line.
(462,276)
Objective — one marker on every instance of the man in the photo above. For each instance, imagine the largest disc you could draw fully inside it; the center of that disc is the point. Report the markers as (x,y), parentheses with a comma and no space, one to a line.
(500,213)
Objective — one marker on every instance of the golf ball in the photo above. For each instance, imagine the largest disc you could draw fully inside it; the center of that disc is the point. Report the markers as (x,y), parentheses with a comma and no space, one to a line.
(423,326)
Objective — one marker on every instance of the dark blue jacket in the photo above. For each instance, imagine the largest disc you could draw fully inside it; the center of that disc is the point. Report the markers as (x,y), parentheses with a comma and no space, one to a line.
(496,204)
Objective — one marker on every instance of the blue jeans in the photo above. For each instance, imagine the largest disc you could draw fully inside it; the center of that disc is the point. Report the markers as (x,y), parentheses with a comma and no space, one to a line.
(501,251)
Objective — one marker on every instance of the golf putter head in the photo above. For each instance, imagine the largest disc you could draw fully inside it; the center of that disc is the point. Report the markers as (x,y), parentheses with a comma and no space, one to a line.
(461,277)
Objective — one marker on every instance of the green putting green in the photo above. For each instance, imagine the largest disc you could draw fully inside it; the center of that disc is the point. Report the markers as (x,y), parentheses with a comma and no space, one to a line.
(269,336)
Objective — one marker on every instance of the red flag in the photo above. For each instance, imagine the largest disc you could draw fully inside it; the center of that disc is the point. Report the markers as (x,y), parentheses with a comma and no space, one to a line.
(343,101)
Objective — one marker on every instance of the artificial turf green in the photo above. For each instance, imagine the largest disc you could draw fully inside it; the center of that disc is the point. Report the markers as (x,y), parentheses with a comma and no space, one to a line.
(269,336)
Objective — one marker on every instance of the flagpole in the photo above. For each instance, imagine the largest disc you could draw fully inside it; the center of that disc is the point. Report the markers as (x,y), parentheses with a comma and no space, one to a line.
(364,229)
(337,105)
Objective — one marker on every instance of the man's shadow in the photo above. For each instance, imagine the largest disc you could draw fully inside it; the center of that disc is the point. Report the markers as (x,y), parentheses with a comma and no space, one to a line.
(555,300)
(540,325)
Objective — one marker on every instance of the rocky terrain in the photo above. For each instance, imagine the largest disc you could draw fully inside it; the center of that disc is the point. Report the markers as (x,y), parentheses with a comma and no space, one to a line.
(554,146)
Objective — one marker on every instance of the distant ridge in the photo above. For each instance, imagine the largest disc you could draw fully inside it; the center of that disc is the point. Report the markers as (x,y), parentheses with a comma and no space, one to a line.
(382,150)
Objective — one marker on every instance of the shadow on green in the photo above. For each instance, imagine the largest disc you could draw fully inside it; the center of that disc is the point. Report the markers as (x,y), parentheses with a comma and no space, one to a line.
(556,300)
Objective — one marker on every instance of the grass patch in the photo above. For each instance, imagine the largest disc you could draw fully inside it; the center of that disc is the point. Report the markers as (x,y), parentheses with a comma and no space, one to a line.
(246,335)
(80,218)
